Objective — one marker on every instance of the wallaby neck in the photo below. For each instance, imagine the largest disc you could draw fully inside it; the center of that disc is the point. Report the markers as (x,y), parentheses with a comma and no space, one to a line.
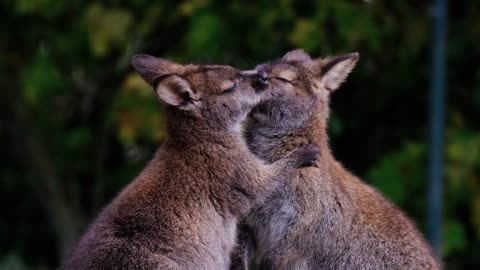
(273,143)
(186,130)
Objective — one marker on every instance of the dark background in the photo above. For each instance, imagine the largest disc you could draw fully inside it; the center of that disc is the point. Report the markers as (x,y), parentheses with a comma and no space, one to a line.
(77,124)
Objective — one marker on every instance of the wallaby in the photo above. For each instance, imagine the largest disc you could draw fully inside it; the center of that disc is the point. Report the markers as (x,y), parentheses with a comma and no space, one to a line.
(182,211)
(324,217)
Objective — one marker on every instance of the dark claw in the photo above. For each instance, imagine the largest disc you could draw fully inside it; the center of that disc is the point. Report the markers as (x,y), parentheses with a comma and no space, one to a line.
(308,155)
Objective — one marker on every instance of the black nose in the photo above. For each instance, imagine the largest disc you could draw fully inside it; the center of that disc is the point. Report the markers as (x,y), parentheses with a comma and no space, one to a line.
(263,75)
(260,81)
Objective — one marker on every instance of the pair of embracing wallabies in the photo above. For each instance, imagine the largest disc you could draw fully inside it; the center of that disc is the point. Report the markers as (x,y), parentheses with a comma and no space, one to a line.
(246,177)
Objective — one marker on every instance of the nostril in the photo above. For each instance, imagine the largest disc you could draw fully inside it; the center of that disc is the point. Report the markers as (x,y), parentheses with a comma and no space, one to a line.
(260,82)
(263,75)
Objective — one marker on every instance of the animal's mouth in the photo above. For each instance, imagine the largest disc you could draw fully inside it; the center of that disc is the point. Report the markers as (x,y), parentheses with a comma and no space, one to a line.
(260,82)
(260,85)
(259,79)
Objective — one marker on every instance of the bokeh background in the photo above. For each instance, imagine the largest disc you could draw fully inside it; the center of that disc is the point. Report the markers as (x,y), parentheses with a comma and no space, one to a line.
(77,124)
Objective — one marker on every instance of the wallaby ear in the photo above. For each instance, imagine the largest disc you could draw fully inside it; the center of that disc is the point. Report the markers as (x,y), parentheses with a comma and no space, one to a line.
(176,91)
(165,77)
(297,55)
(334,70)
(151,68)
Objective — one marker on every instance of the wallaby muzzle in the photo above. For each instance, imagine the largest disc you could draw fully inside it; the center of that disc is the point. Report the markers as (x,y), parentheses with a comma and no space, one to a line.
(259,79)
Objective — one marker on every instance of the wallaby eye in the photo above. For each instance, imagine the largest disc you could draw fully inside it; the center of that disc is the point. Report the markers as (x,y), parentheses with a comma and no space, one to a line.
(283,79)
(229,87)
(286,76)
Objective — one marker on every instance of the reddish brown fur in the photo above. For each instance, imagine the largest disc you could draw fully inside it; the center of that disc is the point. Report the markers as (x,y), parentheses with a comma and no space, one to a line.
(325,217)
(181,212)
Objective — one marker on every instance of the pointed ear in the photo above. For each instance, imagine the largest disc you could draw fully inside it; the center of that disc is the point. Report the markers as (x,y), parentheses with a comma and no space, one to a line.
(297,55)
(165,77)
(176,91)
(151,68)
(333,71)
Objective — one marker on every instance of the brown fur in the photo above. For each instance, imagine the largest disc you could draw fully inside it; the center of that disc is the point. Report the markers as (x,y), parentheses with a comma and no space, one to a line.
(181,212)
(325,217)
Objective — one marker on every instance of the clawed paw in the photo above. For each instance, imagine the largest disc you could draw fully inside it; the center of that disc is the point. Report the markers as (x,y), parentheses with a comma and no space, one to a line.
(307,155)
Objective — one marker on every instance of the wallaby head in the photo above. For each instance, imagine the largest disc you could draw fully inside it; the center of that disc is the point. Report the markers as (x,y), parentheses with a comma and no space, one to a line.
(304,86)
(216,95)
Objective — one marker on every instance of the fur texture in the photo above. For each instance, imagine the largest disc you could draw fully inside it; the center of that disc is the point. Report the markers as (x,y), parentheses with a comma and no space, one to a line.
(325,217)
(181,212)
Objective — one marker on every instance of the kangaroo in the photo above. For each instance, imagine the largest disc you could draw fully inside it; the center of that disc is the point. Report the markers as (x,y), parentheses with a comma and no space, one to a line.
(324,217)
(182,210)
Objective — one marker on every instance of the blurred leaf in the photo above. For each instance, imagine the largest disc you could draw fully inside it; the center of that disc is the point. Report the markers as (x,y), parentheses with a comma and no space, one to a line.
(12,262)
(134,83)
(387,178)
(108,27)
(137,112)
(41,78)
(148,22)
(186,8)
(306,35)
(205,35)
(335,125)
(453,237)
(476,93)
(476,213)
(44,8)
(78,138)
(398,172)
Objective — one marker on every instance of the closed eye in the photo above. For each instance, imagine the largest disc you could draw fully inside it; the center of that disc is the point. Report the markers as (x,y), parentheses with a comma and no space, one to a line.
(282,79)
(230,89)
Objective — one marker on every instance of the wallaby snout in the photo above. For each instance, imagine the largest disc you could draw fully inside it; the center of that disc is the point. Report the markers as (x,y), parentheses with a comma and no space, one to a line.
(258,79)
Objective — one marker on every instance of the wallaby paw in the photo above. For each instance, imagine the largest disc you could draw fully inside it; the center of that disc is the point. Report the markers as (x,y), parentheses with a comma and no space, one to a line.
(306,155)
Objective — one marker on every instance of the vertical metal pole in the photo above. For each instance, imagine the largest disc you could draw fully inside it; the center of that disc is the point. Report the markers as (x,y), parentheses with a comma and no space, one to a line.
(437,119)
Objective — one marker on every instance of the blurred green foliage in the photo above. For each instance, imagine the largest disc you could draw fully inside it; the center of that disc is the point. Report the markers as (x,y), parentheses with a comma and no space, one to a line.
(77,123)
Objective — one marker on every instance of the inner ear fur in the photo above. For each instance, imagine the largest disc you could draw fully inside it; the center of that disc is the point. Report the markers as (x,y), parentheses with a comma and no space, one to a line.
(176,91)
(165,77)
(332,71)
